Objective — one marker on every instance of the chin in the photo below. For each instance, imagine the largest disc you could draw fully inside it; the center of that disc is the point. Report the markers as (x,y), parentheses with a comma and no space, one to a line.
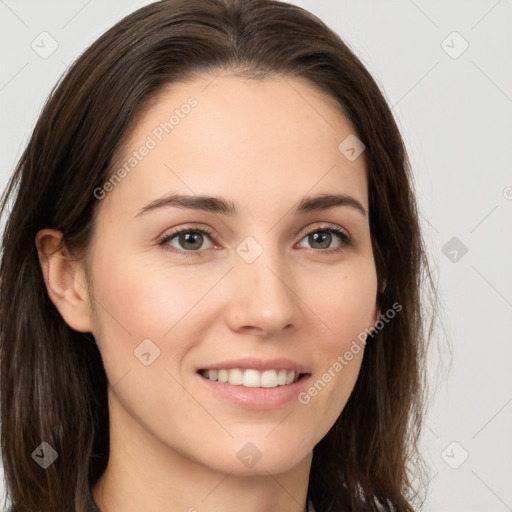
(248,459)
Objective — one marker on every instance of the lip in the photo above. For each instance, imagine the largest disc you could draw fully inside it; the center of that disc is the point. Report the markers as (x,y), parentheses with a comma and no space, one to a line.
(255,398)
(247,363)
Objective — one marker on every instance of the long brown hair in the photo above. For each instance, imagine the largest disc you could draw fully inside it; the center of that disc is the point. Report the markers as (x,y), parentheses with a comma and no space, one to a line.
(53,383)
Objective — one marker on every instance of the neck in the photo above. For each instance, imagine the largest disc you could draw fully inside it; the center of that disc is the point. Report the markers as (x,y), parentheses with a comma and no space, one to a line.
(145,474)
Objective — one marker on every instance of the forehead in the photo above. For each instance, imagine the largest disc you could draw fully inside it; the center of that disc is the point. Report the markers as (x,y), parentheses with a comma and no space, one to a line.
(271,139)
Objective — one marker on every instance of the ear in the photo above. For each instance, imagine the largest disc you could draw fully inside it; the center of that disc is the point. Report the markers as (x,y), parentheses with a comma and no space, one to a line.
(65,280)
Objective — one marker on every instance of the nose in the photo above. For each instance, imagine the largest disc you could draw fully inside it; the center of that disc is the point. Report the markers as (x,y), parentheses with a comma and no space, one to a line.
(262,300)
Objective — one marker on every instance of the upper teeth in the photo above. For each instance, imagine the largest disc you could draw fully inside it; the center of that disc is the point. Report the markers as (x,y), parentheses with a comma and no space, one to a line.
(253,378)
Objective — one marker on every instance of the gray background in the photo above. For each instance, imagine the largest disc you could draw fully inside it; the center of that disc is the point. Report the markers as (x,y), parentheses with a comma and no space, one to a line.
(454,110)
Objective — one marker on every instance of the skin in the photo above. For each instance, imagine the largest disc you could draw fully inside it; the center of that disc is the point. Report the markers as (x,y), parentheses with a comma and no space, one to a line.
(263,144)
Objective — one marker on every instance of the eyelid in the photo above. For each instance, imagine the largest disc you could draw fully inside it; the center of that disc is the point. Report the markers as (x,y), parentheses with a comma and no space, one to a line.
(305,231)
(321,226)
(342,234)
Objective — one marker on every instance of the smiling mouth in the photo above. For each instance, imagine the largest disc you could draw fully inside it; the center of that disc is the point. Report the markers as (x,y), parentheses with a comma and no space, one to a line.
(252,378)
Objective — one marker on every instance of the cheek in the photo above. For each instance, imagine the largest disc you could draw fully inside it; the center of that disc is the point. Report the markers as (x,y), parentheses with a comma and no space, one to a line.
(346,305)
(147,300)
(171,306)
(346,311)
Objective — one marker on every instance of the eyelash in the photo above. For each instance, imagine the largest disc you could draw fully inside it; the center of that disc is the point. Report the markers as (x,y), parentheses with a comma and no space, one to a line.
(342,235)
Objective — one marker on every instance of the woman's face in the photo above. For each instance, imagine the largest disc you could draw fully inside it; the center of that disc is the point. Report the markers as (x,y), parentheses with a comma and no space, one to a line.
(266,282)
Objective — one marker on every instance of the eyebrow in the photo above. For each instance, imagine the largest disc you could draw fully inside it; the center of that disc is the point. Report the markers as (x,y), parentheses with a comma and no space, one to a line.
(223,206)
